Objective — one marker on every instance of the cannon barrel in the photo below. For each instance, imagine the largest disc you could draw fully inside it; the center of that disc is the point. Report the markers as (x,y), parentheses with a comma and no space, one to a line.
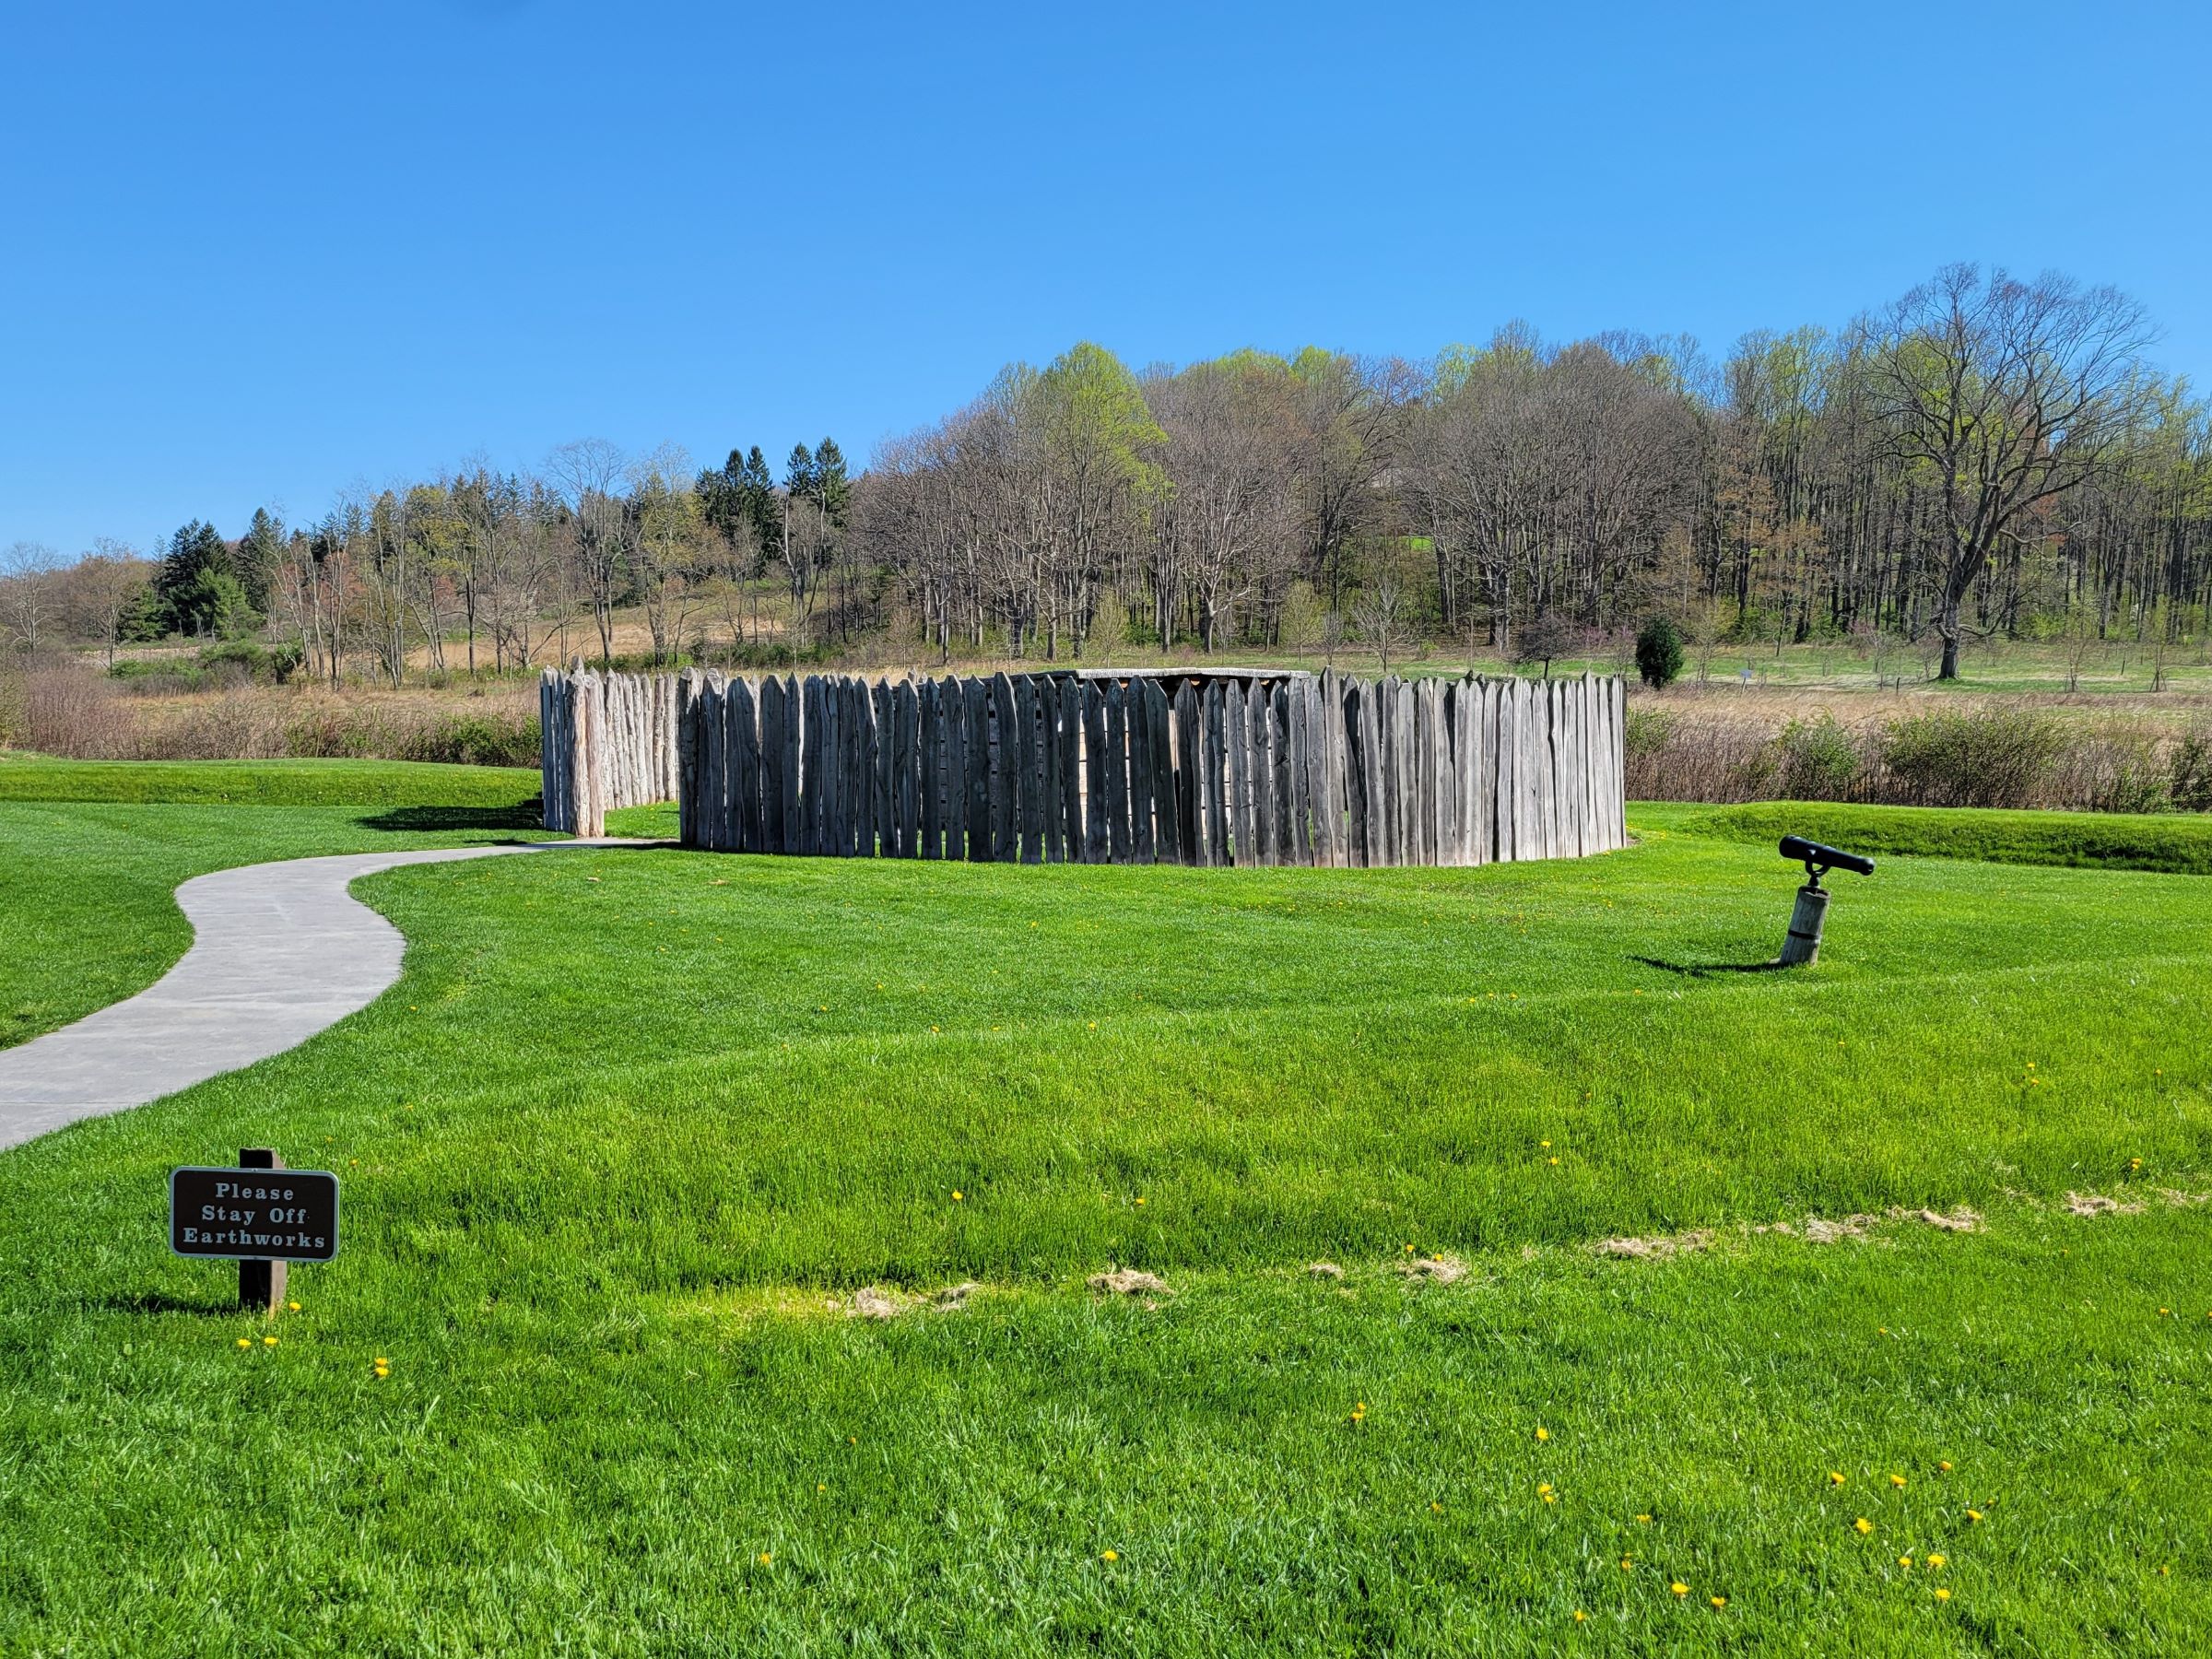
(1834,858)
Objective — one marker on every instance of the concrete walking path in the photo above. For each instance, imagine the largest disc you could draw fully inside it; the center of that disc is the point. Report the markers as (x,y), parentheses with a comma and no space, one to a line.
(279,952)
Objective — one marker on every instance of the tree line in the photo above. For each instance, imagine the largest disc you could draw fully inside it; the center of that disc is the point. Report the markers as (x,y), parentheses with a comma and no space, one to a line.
(1985,456)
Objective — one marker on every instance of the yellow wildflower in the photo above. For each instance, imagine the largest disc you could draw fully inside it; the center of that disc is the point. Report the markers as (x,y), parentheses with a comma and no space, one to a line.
(1861,1525)
(269,1342)
(1543,1433)
(1973,1515)
(1897,1480)
(766,1558)
(1938,1562)
(1942,1595)
(246,1342)
(1720,1601)
(1835,1478)
(1679,1588)
(1108,1555)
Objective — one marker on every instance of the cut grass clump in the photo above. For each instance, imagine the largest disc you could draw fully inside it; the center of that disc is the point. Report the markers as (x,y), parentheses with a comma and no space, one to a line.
(2100,840)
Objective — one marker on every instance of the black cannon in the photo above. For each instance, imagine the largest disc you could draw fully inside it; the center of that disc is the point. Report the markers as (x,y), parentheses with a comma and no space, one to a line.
(1802,943)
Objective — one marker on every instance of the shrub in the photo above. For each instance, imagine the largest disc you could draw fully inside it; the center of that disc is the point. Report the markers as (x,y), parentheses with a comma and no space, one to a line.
(1659,653)
(2189,773)
(1646,733)
(1995,756)
(1818,760)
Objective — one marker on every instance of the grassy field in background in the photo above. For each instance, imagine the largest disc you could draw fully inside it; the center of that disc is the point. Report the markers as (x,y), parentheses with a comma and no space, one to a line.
(636,1127)
(393,785)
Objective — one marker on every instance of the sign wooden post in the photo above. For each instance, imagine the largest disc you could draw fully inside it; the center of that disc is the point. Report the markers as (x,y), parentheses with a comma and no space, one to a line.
(260,1213)
(261,1284)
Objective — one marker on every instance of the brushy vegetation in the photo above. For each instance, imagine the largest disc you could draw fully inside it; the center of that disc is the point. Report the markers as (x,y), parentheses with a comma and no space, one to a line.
(1991,753)
(61,707)
(636,1129)
(2091,840)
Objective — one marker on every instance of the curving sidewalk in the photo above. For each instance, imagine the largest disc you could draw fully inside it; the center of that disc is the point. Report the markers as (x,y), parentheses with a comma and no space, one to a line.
(279,952)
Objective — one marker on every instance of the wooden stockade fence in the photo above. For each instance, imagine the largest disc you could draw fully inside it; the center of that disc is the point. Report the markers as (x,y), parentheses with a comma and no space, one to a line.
(605,740)
(1245,770)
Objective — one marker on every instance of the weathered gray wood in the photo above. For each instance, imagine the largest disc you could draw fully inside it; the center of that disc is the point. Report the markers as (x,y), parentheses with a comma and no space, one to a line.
(1137,715)
(1259,743)
(1167,811)
(1006,847)
(1031,783)
(687,745)
(1052,780)
(787,768)
(1073,848)
(1294,736)
(1189,745)
(706,765)
(975,696)
(1096,841)
(952,714)
(1116,773)
(1236,739)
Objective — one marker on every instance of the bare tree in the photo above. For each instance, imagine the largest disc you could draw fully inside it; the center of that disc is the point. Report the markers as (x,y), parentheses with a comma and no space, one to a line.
(587,476)
(30,597)
(2009,394)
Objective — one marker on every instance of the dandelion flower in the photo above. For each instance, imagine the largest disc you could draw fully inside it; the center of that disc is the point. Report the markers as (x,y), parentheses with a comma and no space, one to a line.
(1942,1595)
(269,1342)
(1108,1555)
(1543,1433)
(766,1558)
(1974,1515)
(293,1306)
(1897,1480)
(1643,1520)
(1945,1467)
(1626,1561)
(1905,1562)
(1679,1588)
(246,1342)
(1835,1478)
(1938,1562)
(1436,1507)
(821,1486)
(956,1195)
(1545,1145)
(1579,1616)
(1720,1601)
(1861,1525)
(1554,1163)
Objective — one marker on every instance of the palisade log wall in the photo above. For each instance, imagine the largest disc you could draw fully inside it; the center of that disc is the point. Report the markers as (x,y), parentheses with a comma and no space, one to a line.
(1250,769)
(605,740)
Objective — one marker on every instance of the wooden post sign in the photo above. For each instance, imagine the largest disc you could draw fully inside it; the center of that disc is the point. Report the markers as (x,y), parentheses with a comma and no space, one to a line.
(260,1213)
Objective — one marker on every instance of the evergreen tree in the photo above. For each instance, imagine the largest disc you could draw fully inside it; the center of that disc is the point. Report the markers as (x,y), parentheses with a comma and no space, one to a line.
(799,478)
(185,602)
(759,486)
(831,484)
(259,551)
(1659,653)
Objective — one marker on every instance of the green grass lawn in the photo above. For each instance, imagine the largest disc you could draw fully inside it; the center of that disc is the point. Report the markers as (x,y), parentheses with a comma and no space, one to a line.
(636,1125)
(90,852)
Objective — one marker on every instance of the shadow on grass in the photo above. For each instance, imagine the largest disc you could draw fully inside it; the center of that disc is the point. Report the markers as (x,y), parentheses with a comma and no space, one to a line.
(1707,969)
(522,814)
(159,1301)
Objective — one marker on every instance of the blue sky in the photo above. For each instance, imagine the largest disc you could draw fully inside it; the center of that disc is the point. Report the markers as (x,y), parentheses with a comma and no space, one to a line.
(256,253)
